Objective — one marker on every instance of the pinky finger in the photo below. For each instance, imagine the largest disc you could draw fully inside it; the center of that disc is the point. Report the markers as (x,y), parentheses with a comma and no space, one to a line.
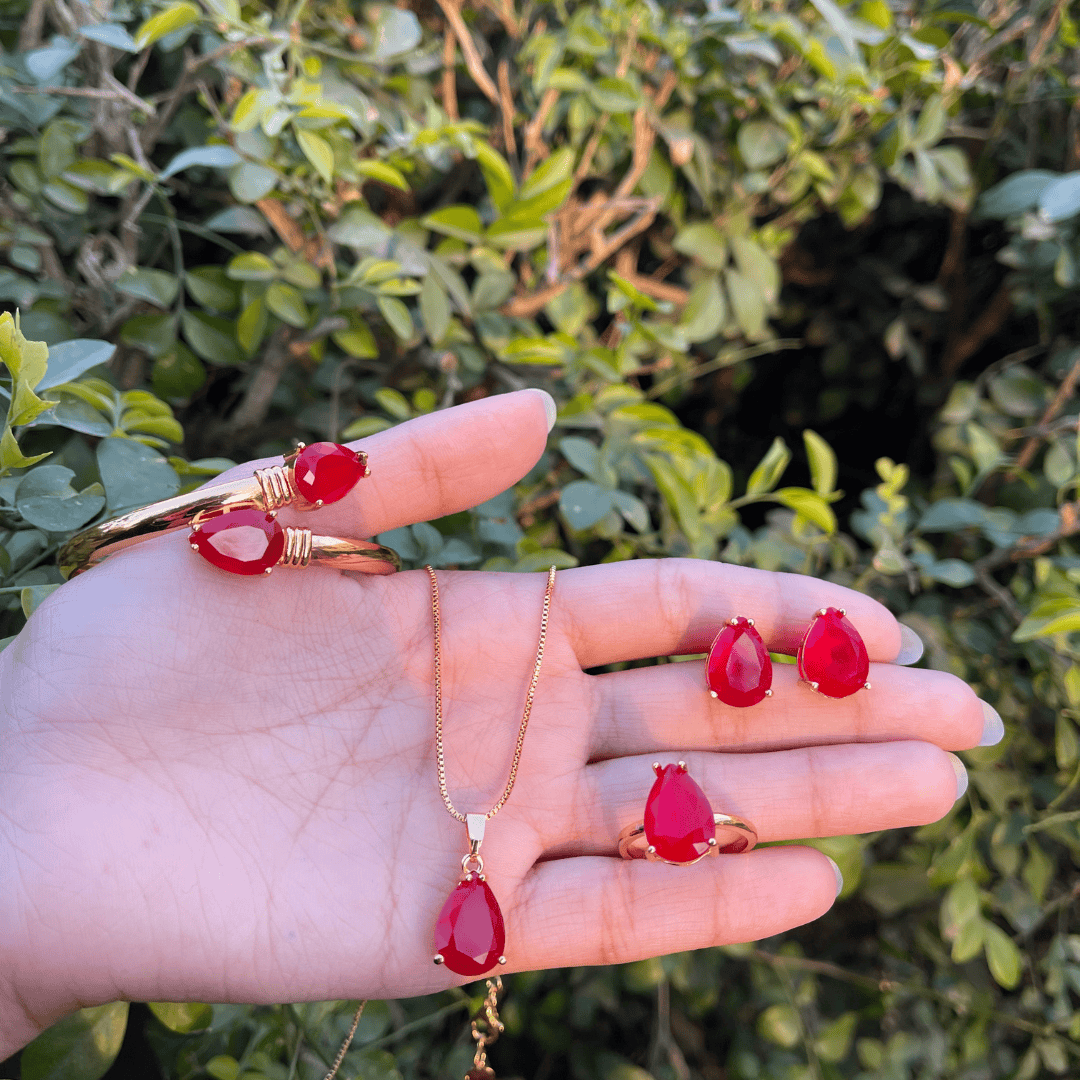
(595,910)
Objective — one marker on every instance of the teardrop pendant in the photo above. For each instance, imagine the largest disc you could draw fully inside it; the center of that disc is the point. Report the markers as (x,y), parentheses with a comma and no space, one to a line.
(469,934)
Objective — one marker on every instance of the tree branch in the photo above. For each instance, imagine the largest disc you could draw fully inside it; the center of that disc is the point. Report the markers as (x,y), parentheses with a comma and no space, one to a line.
(452,10)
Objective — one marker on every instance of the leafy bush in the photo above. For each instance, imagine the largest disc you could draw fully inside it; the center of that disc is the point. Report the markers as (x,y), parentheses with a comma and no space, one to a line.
(227,226)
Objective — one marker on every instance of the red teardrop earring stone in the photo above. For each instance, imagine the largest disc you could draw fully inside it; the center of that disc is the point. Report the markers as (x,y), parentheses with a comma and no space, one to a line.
(832,657)
(469,934)
(240,541)
(678,819)
(739,669)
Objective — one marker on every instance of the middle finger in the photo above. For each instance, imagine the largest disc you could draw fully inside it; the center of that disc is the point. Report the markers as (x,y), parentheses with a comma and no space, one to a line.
(668,709)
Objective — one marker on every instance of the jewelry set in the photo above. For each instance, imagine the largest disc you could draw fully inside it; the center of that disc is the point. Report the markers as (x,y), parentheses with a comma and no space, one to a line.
(234,527)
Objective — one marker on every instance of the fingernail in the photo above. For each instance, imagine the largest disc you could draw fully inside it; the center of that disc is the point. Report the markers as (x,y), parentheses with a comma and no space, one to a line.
(993,726)
(550,408)
(961,775)
(839,876)
(911,646)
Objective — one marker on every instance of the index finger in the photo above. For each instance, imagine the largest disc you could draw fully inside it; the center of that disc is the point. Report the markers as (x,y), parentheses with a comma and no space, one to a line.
(665,607)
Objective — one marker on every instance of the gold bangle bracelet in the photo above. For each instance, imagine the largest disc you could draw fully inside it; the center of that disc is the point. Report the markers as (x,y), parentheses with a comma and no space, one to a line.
(225,504)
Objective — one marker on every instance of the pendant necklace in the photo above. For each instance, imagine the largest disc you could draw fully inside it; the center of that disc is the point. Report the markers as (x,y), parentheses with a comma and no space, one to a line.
(469,933)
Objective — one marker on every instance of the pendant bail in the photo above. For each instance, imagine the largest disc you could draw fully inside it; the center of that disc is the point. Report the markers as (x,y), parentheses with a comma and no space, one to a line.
(474,861)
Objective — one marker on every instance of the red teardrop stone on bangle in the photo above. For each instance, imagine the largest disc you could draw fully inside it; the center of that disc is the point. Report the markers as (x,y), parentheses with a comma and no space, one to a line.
(240,541)
(832,654)
(469,933)
(327,472)
(739,668)
(678,818)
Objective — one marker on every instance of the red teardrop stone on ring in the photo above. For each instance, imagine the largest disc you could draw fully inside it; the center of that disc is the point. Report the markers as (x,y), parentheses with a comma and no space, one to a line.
(326,471)
(469,934)
(678,818)
(240,541)
(832,654)
(739,669)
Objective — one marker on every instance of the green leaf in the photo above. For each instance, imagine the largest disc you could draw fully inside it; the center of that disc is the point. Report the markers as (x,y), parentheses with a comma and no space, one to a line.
(397,316)
(822,462)
(178,374)
(613,95)
(1002,956)
(32,597)
(70,359)
(762,143)
(551,173)
(251,182)
(780,1024)
(46,499)
(514,232)
(808,505)
(251,326)
(756,264)
(838,22)
(287,304)
(833,1041)
(317,150)
(705,310)
(461,222)
(434,309)
(748,303)
(252,266)
(157,287)
(1015,194)
(584,503)
(394,402)
(183,1017)
(134,474)
(210,288)
(769,470)
(216,156)
(383,172)
(154,334)
(704,242)
(166,22)
(497,175)
(357,341)
(80,1047)
(581,453)
(1060,199)
(396,32)
(211,338)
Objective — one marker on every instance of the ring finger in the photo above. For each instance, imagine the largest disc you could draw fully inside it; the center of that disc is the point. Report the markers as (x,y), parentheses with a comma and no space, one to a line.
(786,794)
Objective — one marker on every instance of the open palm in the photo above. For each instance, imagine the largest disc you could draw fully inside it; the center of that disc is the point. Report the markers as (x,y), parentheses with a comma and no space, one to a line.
(216,788)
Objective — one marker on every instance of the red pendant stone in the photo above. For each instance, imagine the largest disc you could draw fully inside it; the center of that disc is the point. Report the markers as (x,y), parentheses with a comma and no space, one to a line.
(739,669)
(240,541)
(832,654)
(469,934)
(678,818)
(326,471)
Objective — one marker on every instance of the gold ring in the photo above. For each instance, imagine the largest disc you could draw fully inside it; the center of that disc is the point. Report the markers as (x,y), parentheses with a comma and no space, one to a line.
(737,836)
(309,477)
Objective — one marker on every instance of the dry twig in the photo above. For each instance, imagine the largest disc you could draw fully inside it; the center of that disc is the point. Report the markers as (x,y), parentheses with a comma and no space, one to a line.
(506,105)
(452,10)
(449,76)
(1064,392)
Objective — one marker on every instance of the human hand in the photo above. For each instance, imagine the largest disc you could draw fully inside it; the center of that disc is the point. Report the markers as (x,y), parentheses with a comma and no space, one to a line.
(215,788)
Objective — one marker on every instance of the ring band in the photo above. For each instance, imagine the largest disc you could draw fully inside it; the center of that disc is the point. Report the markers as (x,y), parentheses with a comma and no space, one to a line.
(733,836)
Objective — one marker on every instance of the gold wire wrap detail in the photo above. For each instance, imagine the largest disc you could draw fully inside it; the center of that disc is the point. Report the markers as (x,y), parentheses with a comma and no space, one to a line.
(276,483)
(297,547)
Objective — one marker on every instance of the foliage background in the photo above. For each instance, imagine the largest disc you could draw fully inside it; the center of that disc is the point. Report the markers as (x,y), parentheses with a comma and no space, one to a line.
(772,243)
